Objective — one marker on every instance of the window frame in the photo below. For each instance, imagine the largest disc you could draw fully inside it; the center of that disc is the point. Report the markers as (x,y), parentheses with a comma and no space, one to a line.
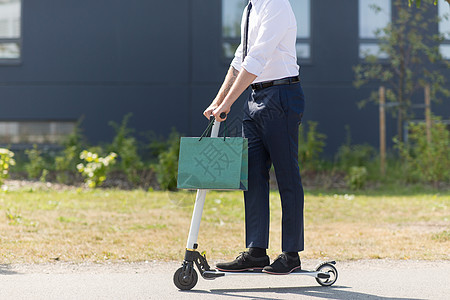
(18,41)
(51,131)
(370,41)
(231,40)
(446,41)
(307,41)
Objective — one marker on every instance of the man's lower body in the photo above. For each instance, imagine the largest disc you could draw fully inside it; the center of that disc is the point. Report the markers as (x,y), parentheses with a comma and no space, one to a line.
(271,119)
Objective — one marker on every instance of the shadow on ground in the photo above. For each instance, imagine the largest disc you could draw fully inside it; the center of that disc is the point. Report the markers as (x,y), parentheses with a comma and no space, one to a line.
(6,270)
(336,292)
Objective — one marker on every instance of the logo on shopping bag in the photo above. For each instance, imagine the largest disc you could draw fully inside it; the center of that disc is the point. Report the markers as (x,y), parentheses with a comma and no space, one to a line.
(213,161)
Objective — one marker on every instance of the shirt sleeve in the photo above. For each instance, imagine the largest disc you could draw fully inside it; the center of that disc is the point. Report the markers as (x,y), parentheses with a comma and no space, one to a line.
(237,60)
(275,22)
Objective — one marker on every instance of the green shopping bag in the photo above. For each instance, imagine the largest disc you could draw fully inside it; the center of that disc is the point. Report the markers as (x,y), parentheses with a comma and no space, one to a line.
(213,163)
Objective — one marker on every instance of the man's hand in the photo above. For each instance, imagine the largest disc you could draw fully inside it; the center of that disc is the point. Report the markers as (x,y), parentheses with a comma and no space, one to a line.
(209,111)
(223,108)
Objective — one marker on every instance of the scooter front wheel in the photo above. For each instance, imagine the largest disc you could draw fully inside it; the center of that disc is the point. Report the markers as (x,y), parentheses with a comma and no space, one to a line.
(330,273)
(184,282)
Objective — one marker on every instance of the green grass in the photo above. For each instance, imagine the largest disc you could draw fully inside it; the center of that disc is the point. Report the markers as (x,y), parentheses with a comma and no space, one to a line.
(98,225)
(443,236)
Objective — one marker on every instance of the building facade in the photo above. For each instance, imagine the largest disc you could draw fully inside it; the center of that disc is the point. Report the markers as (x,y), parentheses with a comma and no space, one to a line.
(164,61)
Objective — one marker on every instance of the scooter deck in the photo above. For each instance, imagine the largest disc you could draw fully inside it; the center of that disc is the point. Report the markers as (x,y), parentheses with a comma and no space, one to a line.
(215,274)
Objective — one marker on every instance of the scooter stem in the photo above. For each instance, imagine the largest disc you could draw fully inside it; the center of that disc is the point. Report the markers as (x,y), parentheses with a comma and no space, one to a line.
(198,206)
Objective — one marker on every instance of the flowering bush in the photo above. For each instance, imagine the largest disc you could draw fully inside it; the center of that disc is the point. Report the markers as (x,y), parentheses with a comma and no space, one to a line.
(95,167)
(6,160)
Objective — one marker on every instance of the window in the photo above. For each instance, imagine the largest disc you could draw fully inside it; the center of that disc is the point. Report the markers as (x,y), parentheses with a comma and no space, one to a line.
(231,26)
(302,11)
(10,30)
(444,28)
(373,16)
(30,132)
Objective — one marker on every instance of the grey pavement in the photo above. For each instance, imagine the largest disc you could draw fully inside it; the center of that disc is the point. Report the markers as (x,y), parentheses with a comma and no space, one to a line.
(367,279)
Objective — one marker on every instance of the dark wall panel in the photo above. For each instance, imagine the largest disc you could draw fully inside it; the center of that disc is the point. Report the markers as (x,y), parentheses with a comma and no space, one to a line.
(334,33)
(208,64)
(153,109)
(334,108)
(103,41)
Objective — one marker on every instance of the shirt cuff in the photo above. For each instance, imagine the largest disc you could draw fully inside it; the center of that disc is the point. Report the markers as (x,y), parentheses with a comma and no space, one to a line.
(252,66)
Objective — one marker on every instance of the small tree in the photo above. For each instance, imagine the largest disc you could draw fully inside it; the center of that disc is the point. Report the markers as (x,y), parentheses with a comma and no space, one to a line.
(413,60)
(426,161)
(67,161)
(167,167)
(417,2)
(310,146)
(125,145)
(35,167)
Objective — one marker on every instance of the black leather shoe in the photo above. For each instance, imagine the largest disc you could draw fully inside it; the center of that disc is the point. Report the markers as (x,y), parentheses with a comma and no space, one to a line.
(283,265)
(244,262)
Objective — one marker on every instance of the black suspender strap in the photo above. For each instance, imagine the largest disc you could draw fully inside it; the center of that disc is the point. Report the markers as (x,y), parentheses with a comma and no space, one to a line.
(245,46)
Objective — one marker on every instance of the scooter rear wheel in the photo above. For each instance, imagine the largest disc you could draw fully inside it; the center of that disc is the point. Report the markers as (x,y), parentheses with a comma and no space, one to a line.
(185,283)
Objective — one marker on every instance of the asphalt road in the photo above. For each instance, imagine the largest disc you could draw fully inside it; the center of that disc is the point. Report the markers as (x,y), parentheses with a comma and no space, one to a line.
(369,279)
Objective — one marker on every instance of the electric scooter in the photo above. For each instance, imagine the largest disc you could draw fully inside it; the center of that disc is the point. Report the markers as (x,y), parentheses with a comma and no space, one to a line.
(185,278)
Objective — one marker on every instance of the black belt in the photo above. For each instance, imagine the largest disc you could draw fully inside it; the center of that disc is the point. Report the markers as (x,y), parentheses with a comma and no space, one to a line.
(266,84)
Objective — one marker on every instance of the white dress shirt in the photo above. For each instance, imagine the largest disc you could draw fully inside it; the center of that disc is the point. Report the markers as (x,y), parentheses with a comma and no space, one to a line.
(272,37)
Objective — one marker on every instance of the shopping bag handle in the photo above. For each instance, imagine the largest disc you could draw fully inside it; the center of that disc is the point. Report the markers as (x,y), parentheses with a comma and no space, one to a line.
(207,131)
